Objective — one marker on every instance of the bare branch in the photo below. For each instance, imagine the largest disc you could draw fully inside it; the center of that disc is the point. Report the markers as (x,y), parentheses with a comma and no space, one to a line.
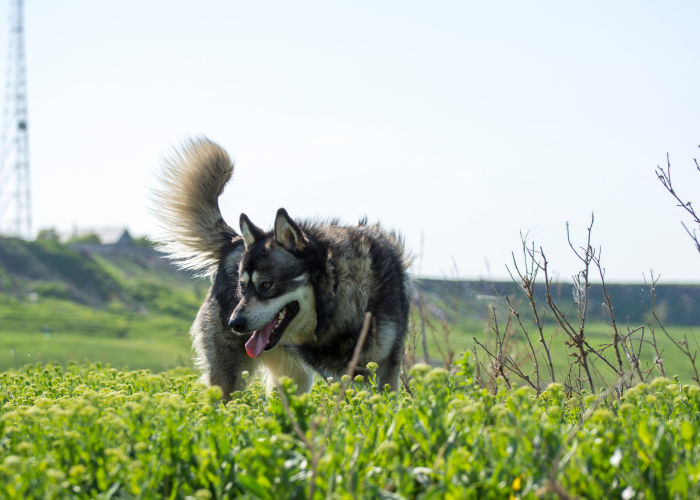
(611,313)
(650,322)
(664,177)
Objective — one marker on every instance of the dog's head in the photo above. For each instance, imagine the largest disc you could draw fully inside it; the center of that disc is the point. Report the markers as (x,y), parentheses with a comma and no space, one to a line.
(277,295)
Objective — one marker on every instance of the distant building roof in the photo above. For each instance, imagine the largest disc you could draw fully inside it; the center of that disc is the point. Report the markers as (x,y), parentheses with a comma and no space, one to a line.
(114,235)
(125,239)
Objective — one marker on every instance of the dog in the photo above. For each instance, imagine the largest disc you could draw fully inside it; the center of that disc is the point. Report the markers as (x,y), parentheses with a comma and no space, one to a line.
(291,300)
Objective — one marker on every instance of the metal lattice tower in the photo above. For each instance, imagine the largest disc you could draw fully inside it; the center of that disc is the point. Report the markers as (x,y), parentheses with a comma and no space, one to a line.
(15,187)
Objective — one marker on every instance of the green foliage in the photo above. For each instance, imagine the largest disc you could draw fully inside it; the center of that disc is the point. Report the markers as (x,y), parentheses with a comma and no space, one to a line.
(50,289)
(88,431)
(88,239)
(142,242)
(164,299)
(48,234)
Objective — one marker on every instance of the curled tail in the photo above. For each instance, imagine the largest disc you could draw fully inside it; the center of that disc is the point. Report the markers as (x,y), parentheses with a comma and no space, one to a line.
(194,232)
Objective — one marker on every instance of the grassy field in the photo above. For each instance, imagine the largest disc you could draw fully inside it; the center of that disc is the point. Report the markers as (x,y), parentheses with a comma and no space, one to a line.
(61,331)
(125,307)
(459,335)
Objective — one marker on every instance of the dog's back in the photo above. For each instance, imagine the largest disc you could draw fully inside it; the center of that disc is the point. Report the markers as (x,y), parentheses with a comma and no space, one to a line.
(364,270)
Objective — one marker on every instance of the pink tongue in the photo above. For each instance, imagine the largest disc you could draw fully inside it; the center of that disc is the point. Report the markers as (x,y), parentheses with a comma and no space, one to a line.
(257,342)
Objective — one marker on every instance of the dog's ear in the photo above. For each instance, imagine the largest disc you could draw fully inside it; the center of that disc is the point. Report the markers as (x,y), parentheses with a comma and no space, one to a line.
(287,233)
(250,232)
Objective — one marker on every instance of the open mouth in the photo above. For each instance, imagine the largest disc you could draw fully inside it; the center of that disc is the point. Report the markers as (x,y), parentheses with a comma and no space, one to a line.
(269,335)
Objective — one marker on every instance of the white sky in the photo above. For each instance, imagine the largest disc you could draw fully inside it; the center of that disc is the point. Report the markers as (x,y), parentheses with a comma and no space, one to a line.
(458,123)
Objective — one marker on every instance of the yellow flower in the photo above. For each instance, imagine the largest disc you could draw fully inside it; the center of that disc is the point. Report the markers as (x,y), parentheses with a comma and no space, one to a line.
(516,484)
(515,488)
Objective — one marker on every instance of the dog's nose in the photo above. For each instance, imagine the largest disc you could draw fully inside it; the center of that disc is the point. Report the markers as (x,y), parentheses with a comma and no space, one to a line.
(237,322)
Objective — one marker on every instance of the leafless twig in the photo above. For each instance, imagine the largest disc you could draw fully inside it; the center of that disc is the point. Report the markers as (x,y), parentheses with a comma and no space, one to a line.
(658,359)
(664,177)
(526,281)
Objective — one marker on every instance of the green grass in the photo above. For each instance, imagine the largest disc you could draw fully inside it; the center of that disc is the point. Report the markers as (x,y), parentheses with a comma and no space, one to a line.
(17,350)
(96,432)
(599,335)
(61,331)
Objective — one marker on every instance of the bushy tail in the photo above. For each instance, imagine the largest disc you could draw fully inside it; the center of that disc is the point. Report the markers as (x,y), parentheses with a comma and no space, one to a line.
(194,232)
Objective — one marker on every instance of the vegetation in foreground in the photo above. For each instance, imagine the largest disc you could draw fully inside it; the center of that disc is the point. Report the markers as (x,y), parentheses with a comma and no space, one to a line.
(89,431)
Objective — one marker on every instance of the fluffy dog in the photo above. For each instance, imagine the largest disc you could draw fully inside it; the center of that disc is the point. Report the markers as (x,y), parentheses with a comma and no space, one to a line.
(292,299)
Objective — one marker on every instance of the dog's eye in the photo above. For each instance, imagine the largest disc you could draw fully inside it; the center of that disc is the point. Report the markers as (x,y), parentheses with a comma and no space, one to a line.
(266,285)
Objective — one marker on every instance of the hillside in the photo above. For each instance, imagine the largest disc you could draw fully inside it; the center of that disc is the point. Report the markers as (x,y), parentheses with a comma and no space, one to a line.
(674,304)
(138,277)
(121,304)
(133,276)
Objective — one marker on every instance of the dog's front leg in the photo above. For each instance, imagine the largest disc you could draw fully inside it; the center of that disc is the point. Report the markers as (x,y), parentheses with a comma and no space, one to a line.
(228,362)
(220,353)
(284,361)
(390,334)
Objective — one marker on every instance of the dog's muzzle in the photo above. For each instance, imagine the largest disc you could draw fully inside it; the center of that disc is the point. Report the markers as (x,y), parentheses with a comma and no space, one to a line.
(267,337)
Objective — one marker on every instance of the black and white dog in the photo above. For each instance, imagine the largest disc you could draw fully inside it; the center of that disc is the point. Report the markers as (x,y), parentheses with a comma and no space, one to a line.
(292,299)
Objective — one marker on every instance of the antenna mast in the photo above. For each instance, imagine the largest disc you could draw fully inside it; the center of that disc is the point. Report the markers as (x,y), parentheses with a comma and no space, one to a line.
(15,187)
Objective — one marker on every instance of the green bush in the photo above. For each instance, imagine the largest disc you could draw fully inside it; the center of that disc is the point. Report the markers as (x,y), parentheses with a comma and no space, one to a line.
(54,290)
(163,299)
(87,431)
(86,239)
